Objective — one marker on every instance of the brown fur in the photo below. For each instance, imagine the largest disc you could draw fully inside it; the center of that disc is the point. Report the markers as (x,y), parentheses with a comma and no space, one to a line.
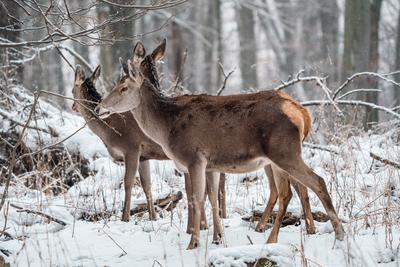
(124,140)
(235,134)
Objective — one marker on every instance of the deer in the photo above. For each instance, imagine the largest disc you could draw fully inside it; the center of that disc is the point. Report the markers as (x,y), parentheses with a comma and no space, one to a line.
(139,53)
(126,143)
(264,128)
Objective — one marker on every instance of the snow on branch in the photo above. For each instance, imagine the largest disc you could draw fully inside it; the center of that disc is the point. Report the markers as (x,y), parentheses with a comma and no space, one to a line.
(354,76)
(335,99)
(352,103)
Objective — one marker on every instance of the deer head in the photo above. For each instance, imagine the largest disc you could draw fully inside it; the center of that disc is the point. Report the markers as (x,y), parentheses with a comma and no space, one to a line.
(125,96)
(84,88)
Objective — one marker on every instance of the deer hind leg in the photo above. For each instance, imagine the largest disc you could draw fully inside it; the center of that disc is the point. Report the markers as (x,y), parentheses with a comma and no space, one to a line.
(145,180)
(273,196)
(304,175)
(131,166)
(189,196)
(285,195)
(197,173)
(305,203)
(212,191)
(203,222)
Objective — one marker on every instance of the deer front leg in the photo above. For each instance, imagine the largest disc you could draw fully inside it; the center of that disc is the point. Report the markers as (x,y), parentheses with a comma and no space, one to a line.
(222,196)
(212,191)
(198,181)
(145,180)
(131,167)
(189,194)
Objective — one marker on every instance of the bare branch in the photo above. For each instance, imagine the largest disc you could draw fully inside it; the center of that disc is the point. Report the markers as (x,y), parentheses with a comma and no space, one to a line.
(353,103)
(358,91)
(320,82)
(226,77)
(48,217)
(354,76)
(383,160)
(163,5)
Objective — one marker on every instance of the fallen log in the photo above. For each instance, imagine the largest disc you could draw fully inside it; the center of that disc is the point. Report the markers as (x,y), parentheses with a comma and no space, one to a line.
(168,203)
(289,218)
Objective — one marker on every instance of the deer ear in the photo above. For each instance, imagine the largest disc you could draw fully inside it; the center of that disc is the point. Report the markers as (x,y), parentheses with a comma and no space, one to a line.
(158,53)
(138,52)
(124,67)
(79,74)
(95,74)
(133,73)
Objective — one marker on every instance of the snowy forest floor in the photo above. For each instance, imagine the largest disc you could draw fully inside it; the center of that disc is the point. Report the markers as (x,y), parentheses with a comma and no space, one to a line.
(365,193)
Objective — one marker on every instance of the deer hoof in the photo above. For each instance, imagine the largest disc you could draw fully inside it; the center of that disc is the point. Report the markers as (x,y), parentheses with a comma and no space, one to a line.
(192,245)
(203,226)
(260,229)
(125,218)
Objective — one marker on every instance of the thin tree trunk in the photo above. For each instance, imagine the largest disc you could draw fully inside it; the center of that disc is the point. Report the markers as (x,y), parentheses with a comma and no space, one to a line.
(176,46)
(372,114)
(9,16)
(397,63)
(120,34)
(248,59)
(356,37)
(329,17)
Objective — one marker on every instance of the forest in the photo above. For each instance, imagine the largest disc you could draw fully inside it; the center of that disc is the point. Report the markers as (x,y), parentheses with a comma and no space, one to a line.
(199,133)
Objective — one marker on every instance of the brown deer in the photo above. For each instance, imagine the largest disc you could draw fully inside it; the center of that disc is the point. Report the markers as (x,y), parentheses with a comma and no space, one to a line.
(139,53)
(125,142)
(263,128)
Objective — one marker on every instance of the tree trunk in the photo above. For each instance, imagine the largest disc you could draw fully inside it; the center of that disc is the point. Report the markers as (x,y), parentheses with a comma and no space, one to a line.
(375,7)
(248,58)
(120,34)
(356,37)
(397,64)
(329,17)
(176,46)
(9,17)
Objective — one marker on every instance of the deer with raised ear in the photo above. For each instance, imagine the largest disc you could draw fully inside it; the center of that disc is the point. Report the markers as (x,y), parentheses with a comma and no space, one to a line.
(125,142)
(233,134)
(139,53)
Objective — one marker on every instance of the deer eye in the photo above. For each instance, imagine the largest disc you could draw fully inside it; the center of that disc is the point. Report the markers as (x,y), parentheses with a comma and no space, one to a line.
(123,89)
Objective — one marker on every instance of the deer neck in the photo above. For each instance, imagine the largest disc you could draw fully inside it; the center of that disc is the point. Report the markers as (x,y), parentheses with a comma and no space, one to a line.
(150,115)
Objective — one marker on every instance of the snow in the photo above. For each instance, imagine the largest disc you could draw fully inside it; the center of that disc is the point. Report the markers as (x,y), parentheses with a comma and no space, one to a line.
(364,191)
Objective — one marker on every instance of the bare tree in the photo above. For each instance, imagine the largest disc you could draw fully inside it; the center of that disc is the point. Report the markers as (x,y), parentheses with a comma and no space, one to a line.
(248,51)
(397,62)
(373,64)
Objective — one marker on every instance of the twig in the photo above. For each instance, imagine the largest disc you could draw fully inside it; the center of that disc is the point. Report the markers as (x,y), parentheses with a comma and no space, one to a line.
(321,147)
(124,252)
(358,91)
(226,77)
(320,82)
(353,103)
(10,118)
(52,145)
(354,76)
(14,151)
(385,161)
(166,4)
(50,218)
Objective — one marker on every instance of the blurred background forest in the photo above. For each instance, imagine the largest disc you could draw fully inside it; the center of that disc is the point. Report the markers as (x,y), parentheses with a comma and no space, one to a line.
(262,41)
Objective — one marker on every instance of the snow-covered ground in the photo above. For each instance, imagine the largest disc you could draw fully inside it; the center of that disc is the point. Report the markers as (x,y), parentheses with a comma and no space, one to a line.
(365,192)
